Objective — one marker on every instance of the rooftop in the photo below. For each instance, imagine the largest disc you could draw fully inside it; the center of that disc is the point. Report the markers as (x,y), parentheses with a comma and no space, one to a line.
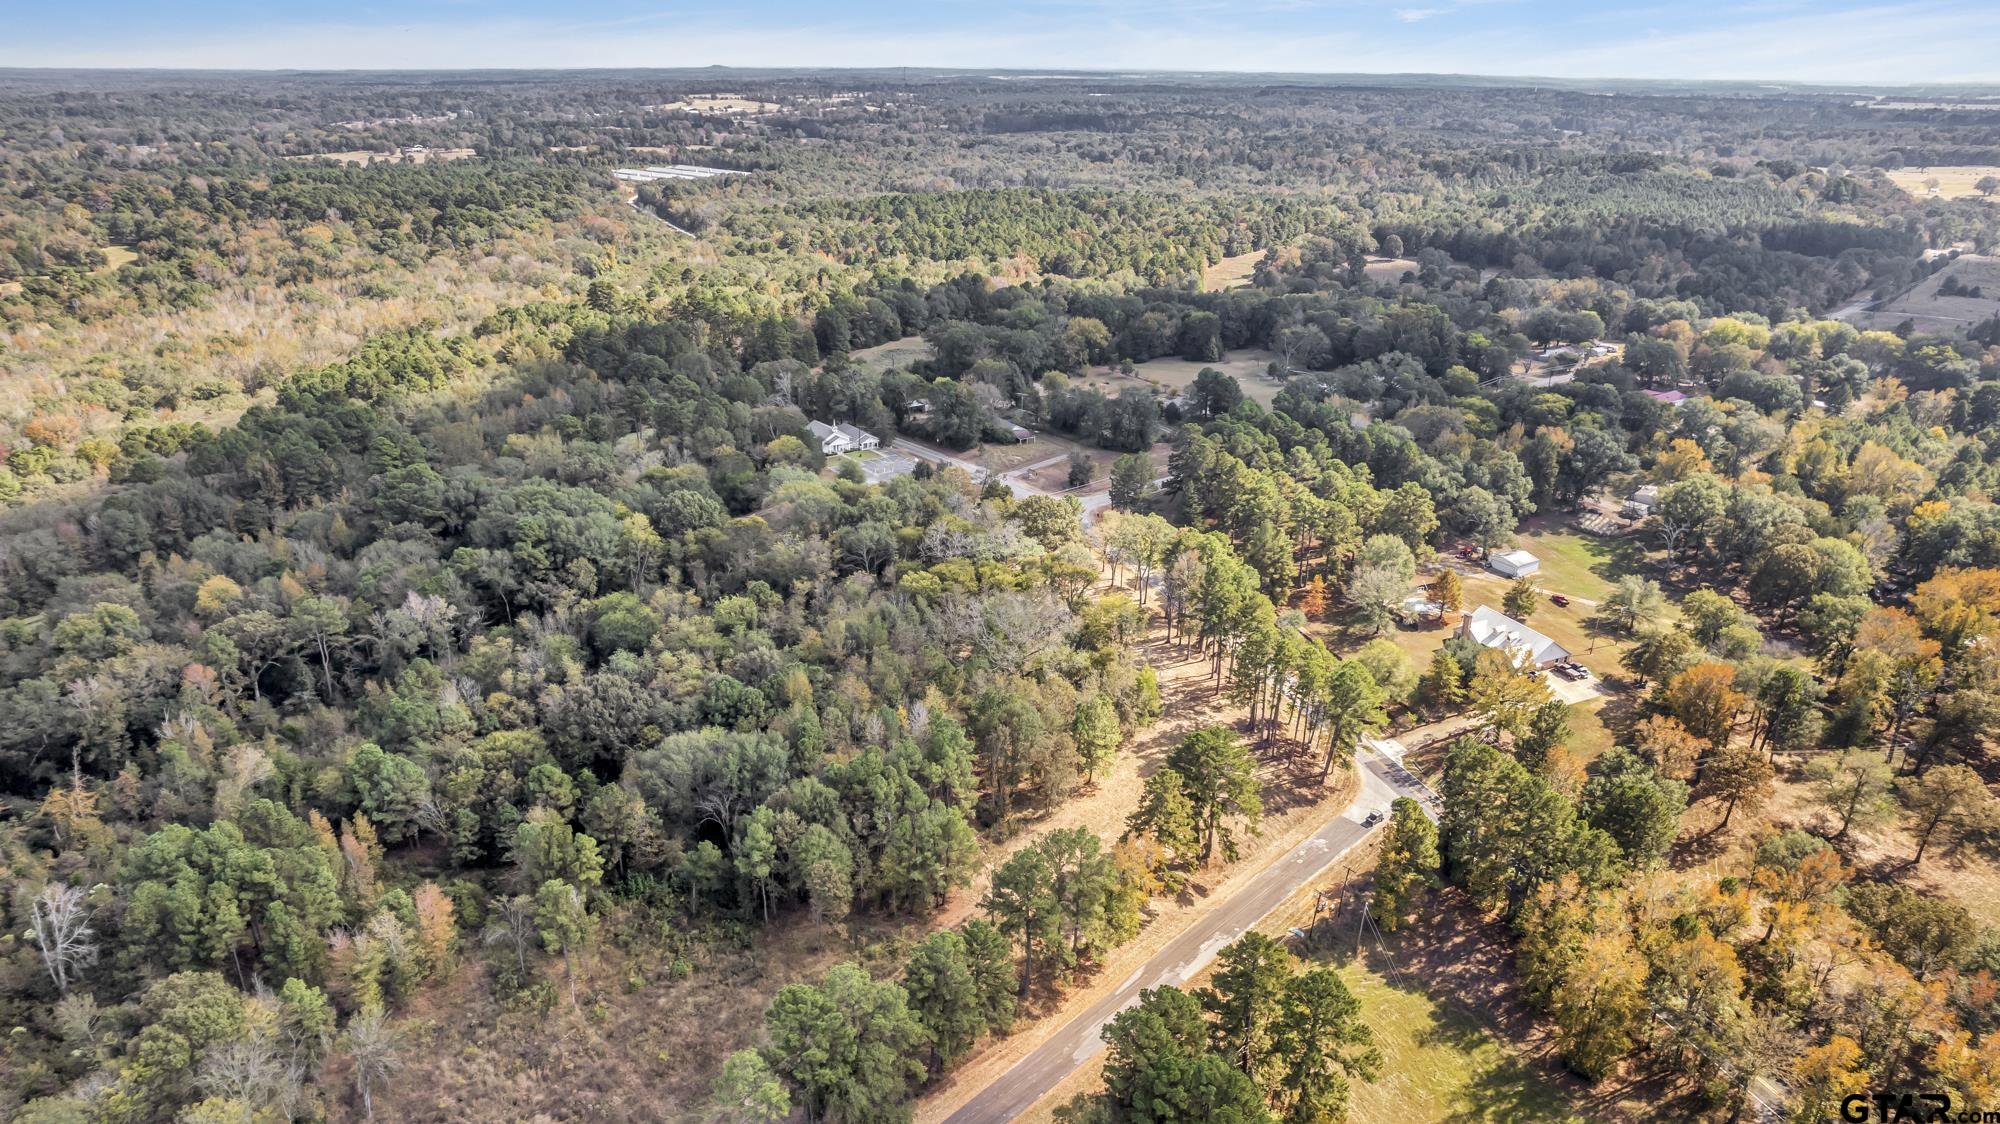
(1494,629)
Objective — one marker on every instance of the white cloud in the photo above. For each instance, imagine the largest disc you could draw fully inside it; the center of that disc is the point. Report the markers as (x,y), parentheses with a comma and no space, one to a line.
(1418,15)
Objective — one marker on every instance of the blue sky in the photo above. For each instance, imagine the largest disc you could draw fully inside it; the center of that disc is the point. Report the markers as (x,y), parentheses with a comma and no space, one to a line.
(1829,41)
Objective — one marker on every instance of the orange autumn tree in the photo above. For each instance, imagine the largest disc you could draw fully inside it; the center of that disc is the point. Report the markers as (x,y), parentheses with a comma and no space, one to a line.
(1705,699)
(1313,601)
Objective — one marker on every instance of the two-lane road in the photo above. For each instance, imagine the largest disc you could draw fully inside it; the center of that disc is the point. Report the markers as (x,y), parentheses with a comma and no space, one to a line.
(1188,953)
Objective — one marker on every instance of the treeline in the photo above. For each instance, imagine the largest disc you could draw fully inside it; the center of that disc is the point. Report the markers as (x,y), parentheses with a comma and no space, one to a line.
(1157,238)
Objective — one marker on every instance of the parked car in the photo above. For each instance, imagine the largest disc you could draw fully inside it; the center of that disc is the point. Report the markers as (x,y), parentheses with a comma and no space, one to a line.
(1559,600)
(1373,819)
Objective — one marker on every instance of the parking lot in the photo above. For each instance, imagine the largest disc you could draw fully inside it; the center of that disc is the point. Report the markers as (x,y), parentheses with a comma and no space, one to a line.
(885,465)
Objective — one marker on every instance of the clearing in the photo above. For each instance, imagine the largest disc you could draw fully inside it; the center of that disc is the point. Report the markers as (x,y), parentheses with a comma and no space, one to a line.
(895,354)
(1055,477)
(363,158)
(1931,312)
(717,103)
(116,257)
(1248,366)
(1579,566)
(1955,181)
(1389,269)
(1232,272)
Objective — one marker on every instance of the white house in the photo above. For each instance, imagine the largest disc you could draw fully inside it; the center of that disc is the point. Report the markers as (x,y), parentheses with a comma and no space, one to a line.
(1641,502)
(1514,563)
(840,438)
(857,438)
(1491,628)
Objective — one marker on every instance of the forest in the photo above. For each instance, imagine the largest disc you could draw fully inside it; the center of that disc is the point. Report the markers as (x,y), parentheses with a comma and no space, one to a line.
(446,676)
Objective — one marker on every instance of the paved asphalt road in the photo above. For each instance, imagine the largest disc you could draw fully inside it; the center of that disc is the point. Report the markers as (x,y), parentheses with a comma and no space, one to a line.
(1187,954)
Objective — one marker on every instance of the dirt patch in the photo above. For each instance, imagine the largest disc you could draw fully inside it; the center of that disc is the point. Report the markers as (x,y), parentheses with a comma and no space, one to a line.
(1966,876)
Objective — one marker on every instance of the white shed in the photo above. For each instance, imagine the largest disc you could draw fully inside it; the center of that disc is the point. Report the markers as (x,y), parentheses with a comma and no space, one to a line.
(1514,563)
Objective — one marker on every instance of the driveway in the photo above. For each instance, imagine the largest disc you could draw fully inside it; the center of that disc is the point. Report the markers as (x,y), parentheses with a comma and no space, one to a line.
(1573,691)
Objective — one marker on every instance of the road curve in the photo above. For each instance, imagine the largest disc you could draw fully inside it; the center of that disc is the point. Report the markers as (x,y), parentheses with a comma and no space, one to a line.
(1188,953)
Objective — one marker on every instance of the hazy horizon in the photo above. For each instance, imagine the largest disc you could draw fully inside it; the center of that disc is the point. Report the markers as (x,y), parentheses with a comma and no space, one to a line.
(1840,44)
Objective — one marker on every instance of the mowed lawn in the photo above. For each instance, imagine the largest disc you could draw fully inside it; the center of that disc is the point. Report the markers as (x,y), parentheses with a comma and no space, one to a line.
(1248,366)
(1439,1063)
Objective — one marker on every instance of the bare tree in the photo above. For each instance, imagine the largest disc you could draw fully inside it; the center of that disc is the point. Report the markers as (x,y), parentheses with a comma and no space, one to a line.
(514,927)
(63,932)
(376,1050)
(252,1071)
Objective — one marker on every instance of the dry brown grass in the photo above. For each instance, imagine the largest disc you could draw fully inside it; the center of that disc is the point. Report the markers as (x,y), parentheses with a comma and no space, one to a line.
(1934,313)
(1954,181)
(1232,272)
(1388,269)
(642,1045)
(1247,366)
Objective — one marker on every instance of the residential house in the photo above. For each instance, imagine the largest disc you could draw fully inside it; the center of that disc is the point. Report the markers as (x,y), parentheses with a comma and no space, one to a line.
(840,438)
(1490,628)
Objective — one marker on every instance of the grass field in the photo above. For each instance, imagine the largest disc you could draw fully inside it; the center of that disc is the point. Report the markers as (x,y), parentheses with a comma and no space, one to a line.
(1932,312)
(1438,1062)
(1248,366)
(1953,182)
(894,354)
(1388,269)
(116,258)
(1231,272)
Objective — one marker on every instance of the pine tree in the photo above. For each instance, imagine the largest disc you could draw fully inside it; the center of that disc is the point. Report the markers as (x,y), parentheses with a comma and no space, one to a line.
(1245,1000)
(1409,863)
(1443,685)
